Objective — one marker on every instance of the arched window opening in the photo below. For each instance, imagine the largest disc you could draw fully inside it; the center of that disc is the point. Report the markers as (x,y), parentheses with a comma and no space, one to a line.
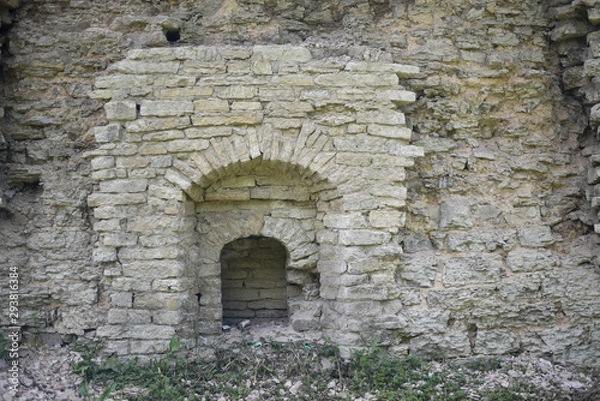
(253,280)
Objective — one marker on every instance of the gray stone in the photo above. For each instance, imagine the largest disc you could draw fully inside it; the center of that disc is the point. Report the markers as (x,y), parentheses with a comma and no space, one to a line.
(536,236)
(417,270)
(498,341)
(363,237)
(529,260)
(455,213)
(476,269)
(120,111)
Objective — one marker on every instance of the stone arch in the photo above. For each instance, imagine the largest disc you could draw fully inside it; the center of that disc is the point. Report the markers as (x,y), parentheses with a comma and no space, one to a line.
(184,130)
(291,222)
(309,153)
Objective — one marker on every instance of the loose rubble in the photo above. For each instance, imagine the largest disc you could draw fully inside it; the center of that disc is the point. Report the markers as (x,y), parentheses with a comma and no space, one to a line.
(48,375)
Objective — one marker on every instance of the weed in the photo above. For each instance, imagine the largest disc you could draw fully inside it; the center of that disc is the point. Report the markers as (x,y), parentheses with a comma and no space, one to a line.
(316,371)
(484,364)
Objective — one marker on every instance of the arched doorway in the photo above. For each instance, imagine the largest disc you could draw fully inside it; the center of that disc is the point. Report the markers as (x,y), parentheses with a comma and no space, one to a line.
(253,280)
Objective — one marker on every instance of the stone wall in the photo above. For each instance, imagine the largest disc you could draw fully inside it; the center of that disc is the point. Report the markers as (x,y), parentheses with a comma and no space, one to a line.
(496,225)
(261,141)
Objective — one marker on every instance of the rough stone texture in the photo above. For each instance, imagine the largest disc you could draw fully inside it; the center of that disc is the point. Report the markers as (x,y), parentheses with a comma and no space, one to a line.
(431,169)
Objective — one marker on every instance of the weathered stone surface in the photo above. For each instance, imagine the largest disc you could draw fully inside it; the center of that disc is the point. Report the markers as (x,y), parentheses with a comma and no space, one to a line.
(308,144)
(536,236)
(363,237)
(528,260)
(500,341)
(476,269)
(109,133)
(120,111)
(165,108)
(456,213)
(417,270)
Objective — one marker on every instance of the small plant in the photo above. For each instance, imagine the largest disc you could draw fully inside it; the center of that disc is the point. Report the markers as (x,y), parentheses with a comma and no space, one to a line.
(313,371)
(484,364)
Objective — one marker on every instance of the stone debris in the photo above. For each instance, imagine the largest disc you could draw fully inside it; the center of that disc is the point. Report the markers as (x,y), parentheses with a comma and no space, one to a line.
(47,375)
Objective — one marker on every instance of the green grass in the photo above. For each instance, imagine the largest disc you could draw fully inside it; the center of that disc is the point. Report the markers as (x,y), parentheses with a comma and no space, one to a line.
(274,367)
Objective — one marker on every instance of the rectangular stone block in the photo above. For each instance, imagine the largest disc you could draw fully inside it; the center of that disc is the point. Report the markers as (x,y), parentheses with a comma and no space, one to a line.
(149,149)
(187,145)
(161,301)
(345,220)
(133,162)
(149,346)
(108,133)
(353,159)
(382,117)
(177,81)
(536,236)
(103,162)
(389,191)
(211,106)
(123,185)
(141,253)
(364,237)
(477,269)
(150,332)
(246,106)
(166,108)
(158,223)
(186,93)
(387,218)
(227,195)
(354,80)
(167,317)
(123,81)
(157,124)
(164,192)
(407,151)
(170,285)
(364,292)
(401,70)
(275,93)
(106,199)
(107,225)
(149,269)
(120,111)
(118,240)
(262,67)
(238,118)
(388,131)
(104,255)
(201,67)
(208,132)
(279,192)
(121,299)
(288,109)
(147,67)
(294,80)
(237,92)
(397,96)
(286,53)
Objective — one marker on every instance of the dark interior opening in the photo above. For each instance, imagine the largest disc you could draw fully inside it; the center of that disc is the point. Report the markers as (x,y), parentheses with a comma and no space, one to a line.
(172,36)
(253,280)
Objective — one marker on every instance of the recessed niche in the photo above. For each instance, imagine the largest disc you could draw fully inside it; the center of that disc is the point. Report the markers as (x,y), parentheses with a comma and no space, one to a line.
(253,280)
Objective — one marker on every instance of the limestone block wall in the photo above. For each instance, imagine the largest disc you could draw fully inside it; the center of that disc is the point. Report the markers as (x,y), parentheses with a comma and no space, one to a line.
(209,145)
(496,225)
